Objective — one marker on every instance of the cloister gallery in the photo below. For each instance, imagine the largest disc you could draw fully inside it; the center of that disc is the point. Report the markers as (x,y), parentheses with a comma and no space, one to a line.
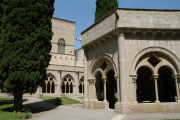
(132,61)
(129,61)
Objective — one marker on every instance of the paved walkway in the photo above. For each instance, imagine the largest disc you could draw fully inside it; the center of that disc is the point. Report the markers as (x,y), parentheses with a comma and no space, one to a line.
(45,111)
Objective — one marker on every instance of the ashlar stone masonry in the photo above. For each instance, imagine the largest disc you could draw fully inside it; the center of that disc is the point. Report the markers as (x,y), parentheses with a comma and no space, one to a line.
(132,61)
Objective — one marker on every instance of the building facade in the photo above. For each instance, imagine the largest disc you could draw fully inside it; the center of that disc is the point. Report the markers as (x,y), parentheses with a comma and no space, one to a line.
(65,74)
(132,61)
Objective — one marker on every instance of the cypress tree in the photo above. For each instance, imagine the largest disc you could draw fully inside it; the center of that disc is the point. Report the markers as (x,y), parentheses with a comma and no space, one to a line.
(25,46)
(1,13)
(103,7)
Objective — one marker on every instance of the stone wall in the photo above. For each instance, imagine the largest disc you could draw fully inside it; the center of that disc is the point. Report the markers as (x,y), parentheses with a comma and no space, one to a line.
(132,18)
(79,55)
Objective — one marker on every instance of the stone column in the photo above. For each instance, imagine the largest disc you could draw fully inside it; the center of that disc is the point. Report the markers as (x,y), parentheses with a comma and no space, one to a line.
(82,87)
(69,83)
(85,78)
(50,85)
(177,87)
(94,89)
(65,82)
(90,88)
(118,92)
(105,80)
(77,83)
(46,85)
(122,67)
(156,88)
(59,81)
(135,89)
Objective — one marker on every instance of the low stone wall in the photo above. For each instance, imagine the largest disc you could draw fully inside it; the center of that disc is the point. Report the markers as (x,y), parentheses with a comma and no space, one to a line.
(171,107)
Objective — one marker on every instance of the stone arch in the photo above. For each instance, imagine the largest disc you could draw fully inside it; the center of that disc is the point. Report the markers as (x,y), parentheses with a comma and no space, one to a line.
(156,49)
(61,46)
(96,72)
(168,66)
(145,84)
(69,76)
(55,80)
(61,41)
(166,84)
(145,65)
(67,84)
(81,85)
(50,84)
(106,57)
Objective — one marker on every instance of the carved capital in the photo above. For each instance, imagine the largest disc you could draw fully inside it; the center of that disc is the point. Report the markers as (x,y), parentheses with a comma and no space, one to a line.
(155,76)
(175,77)
(120,33)
(104,80)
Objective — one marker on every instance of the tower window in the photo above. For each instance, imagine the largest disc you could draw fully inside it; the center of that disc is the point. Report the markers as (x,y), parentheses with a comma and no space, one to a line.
(61,46)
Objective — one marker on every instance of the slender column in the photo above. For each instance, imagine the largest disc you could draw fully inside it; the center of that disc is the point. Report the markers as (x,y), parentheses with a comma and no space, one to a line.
(177,87)
(156,88)
(135,88)
(55,87)
(90,88)
(105,80)
(122,67)
(65,86)
(46,86)
(69,83)
(94,89)
(59,81)
(118,92)
(50,85)
(82,88)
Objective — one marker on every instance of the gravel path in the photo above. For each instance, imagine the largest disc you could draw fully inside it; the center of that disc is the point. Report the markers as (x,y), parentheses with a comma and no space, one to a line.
(45,111)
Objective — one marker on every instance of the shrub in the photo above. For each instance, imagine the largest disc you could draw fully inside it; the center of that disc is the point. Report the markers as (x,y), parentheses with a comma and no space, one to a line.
(57,101)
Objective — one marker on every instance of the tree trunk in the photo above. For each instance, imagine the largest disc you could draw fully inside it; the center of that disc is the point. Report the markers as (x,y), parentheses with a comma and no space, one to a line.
(17,103)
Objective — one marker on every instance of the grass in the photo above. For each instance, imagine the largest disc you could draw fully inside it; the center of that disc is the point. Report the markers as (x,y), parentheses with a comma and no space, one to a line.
(81,97)
(64,100)
(6,110)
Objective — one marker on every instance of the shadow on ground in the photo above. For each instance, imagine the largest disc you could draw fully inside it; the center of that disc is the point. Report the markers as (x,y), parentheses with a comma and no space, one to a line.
(8,105)
(40,106)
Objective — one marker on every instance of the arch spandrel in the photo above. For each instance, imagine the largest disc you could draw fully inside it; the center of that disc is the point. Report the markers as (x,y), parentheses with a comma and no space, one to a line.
(156,49)
(105,57)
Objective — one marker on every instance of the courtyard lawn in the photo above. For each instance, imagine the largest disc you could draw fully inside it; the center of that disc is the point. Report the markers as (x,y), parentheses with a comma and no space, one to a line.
(64,100)
(81,97)
(6,110)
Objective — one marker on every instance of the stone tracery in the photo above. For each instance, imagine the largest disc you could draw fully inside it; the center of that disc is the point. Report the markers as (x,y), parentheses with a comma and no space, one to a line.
(50,84)
(67,84)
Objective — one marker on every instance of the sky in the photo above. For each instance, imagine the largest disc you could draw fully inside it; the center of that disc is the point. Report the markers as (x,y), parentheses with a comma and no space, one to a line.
(82,11)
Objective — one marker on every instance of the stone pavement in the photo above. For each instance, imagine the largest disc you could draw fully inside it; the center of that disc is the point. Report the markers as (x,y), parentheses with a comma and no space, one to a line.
(45,111)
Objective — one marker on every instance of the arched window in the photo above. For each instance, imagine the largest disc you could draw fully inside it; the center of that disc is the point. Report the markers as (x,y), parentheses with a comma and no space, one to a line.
(67,85)
(81,85)
(49,86)
(61,46)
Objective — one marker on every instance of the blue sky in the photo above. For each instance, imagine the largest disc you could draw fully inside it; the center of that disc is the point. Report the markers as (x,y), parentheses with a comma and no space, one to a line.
(82,11)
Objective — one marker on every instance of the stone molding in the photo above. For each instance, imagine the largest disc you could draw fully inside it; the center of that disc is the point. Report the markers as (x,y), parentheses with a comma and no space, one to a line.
(63,21)
(158,49)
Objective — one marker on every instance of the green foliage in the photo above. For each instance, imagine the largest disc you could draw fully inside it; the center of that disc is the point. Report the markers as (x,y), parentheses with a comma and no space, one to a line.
(6,105)
(63,95)
(57,101)
(81,97)
(25,44)
(27,112)
(103,7)
(40,95)
(64,100)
